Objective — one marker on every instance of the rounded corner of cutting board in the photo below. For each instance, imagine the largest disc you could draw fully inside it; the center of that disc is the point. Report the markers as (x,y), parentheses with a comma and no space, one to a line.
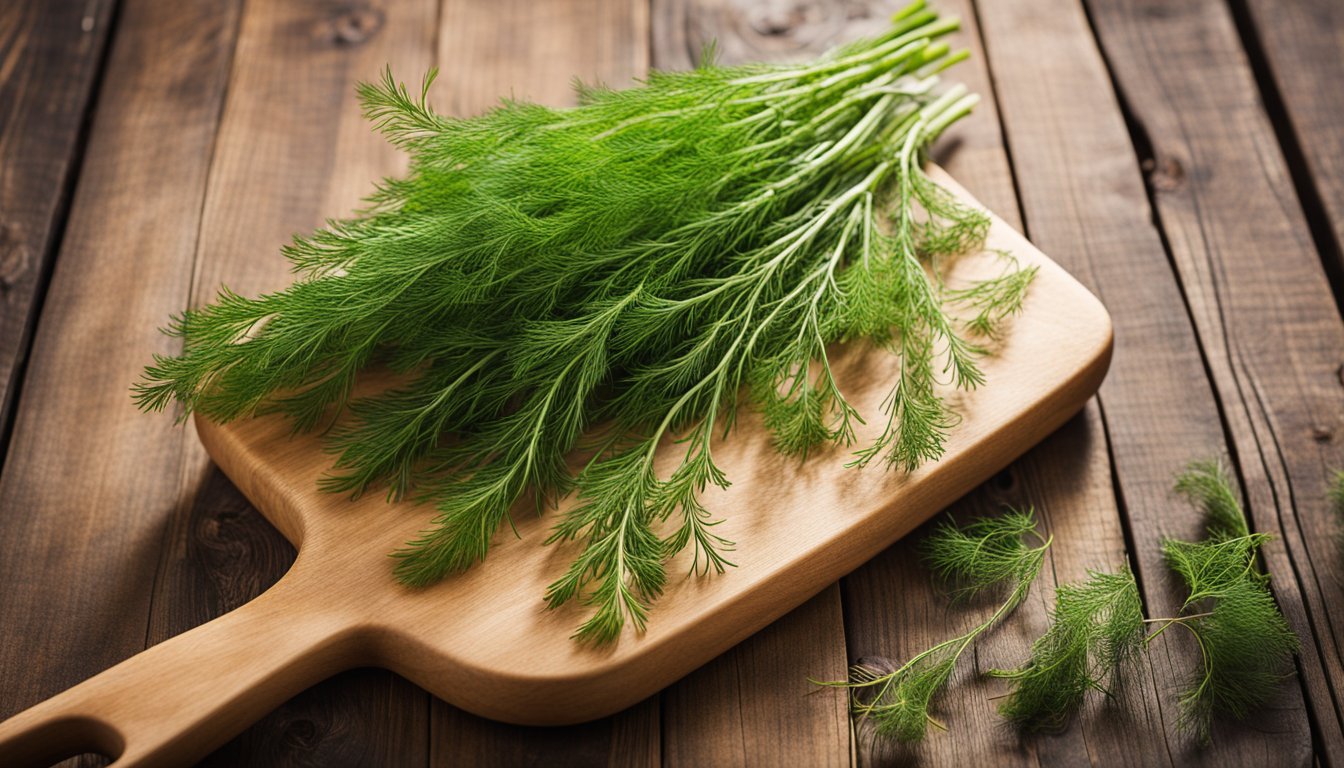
(531,673)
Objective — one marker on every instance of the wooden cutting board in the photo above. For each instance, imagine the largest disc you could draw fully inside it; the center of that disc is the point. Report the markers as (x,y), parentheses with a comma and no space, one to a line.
(484,640)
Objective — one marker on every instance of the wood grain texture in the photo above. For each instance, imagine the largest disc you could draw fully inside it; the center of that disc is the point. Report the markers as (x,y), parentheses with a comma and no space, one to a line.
(86,497)
(1301,42)
(488,50)
(754,704)
(49,58)
(292,150)
(1083,197)
(1271,333)
(493,49)
(94,519)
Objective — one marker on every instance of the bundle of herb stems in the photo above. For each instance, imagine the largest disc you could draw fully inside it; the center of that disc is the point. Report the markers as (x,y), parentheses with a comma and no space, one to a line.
(613,277)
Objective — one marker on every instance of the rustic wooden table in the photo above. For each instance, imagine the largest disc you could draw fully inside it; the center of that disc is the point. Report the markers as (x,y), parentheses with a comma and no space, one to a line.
(1183,159)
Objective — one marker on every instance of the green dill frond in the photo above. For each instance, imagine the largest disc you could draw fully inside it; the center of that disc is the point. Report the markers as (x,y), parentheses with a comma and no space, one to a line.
(1096,631)
(635,263)
(1207,567)
(987,553)
(984,553)
(1335,495)
(1207,485)
(1247,649)
(1245,644)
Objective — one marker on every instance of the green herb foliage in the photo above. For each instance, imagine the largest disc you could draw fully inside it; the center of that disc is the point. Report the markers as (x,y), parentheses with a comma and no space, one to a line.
(1335,495)
(1245,643)
(1096,631)
(623,268)
(987,553)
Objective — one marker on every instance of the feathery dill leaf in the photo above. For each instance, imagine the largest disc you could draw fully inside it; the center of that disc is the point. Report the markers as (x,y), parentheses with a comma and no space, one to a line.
(987,553)
(1207,485)
(1246,645)
(636,261)
(1335,495)
(1096,631)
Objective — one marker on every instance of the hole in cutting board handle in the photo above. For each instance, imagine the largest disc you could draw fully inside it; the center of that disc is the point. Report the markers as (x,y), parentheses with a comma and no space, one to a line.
(68,742)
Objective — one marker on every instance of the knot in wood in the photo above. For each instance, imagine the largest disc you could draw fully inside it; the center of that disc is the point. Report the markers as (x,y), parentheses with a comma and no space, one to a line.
(1322,434)
(301,733)
(355,24)
(1164,173)
(776,20)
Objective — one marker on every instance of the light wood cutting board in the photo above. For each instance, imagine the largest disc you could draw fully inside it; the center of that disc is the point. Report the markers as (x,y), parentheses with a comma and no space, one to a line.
(484,640)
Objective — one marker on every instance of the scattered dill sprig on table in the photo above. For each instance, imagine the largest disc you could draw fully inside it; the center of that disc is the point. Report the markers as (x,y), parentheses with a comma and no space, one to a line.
(631,264)
(1244,641)
(986,553)
(1335,496)
(1096,631)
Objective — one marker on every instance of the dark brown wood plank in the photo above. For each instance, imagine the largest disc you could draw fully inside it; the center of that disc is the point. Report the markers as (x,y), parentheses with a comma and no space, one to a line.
(49,58)
(488,49)
(292,150)
(91,482)
(1084,202)
(1300,42)
(1268,324)
(754,704)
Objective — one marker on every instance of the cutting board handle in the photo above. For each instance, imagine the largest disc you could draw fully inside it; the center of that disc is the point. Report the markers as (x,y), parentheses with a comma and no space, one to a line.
(178,700)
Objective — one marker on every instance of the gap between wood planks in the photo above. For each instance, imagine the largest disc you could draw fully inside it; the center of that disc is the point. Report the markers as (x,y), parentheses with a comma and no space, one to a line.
(24,279)
(1179,199)
(1062,118)
(1296,120)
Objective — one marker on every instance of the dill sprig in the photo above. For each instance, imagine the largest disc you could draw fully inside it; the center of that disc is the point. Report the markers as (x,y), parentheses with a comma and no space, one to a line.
(1245,643)
(626,267)
(1335,496)
(986,553)
(1096,632)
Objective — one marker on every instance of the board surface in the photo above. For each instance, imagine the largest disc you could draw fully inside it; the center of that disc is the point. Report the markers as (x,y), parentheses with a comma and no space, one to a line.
(484,640)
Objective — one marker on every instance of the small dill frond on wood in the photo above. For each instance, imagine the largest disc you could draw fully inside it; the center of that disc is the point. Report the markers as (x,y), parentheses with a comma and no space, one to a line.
(1207,485)
(633,264)
(1245,643)
(985,554)
(1096,631)
(1335,496)
(1246,646)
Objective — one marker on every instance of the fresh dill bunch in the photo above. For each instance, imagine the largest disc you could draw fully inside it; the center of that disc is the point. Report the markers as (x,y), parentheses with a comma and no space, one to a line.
(987,553)
(1096,631)
(628,267)
(1245,644)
